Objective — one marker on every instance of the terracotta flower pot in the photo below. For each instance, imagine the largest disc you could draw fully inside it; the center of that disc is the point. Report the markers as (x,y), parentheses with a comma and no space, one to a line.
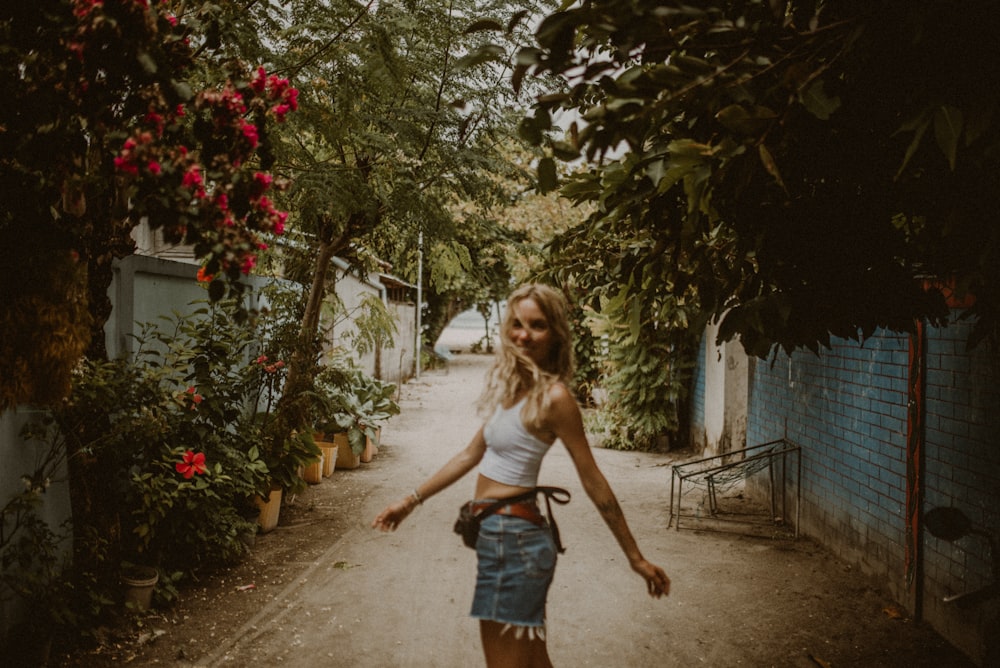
(329,457)
(346,459)
(269,509)
(368,453)
(313,473)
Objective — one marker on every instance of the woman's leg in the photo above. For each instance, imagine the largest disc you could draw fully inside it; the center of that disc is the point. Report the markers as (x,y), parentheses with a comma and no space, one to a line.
(507,650)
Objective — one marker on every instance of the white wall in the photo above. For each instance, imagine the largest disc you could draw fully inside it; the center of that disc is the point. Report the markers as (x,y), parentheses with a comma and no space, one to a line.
(143,289)
(726,394)
(393,362)
(18,458)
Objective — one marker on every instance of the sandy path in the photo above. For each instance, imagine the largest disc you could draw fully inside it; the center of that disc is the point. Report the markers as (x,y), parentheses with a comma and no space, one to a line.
(401,600)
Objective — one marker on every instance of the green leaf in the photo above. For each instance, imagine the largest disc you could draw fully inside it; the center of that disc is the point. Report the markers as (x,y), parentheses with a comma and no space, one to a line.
(817,102)
(483,25)
(516,18)
(947,131)
(769,164)
(635,319)
(528,56)
(528,130)
(182,89)
(565,151)
(146,62)
(918,125)
(216,290)
(547,179)
(746,120)
(485,53)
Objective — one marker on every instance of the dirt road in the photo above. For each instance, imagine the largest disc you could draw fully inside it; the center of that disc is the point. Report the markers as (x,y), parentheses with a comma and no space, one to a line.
(329,591)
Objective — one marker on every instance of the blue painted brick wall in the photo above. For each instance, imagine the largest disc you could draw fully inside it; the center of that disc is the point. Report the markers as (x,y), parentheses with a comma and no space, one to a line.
(963,471)
(698,400)
(847,409)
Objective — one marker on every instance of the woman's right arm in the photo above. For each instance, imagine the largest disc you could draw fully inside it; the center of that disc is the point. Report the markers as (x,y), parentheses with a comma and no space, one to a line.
(463,462)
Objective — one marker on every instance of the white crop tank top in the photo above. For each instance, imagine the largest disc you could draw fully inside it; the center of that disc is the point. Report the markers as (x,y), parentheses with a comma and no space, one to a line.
(513,454)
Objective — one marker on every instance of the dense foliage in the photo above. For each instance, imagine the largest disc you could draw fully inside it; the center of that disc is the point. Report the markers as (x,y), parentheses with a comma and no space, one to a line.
(101,128)
(802,169)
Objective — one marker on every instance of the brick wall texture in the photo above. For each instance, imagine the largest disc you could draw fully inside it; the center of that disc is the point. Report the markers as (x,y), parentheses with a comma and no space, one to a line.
(847,408)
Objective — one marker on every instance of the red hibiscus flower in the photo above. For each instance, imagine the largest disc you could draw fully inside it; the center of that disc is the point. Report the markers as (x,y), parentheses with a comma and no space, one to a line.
(194,397)
(191,463)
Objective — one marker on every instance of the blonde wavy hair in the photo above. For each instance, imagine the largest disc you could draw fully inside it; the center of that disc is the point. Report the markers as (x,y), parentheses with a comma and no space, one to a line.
(514,374)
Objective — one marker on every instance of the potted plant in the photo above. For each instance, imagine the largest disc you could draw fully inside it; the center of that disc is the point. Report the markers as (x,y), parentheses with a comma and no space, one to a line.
(350,405)
(377,405)
(329,449)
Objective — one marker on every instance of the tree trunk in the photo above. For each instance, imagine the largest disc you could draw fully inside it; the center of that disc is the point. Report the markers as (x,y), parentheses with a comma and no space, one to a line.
(94,512)
(292,412)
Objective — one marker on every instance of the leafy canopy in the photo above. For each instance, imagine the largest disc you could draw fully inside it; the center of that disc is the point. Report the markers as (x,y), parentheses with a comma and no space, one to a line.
(802,168)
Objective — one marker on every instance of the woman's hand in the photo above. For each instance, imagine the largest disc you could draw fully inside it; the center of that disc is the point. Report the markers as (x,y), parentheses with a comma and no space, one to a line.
(657,582)
(390,518)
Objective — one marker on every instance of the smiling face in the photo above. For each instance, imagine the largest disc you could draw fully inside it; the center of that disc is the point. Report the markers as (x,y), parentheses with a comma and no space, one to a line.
(530,331)
(536,325)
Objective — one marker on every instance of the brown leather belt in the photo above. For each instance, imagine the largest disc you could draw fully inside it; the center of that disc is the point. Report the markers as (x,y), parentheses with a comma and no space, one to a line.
(524,510)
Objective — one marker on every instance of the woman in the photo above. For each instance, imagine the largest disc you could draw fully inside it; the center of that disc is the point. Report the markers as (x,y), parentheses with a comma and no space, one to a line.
(527,387)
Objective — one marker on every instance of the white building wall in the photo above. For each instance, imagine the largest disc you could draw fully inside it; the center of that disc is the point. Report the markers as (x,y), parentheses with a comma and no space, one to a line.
(715,391)
(339,315)
(726,394)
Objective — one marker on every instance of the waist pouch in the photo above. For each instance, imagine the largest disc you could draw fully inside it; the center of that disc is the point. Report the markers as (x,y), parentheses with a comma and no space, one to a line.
(470,518)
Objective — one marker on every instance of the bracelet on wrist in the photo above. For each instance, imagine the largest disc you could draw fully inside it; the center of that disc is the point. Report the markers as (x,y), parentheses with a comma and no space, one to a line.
(416,495)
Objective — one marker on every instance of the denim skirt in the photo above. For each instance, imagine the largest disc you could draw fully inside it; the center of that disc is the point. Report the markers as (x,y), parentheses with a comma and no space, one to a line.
(516,562)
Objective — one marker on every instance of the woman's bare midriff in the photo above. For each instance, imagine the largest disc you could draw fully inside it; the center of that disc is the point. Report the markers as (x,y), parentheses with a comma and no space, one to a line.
(487,488)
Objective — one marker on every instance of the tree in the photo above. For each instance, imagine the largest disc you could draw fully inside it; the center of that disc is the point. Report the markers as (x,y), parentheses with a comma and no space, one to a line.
(397,137)
(99,130)
(801,169)
(104,125)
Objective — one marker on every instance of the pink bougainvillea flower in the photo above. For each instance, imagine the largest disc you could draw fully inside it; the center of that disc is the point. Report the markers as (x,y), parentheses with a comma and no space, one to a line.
(280,111)
(125,165)
(249,131)
(191,463)
(259,81)
(192,180)
(261,182)
(279,222)
(261,359)
(84,7)
(155,120)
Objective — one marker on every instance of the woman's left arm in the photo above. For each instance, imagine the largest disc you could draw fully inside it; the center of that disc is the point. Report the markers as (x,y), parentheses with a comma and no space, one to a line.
(566,422)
